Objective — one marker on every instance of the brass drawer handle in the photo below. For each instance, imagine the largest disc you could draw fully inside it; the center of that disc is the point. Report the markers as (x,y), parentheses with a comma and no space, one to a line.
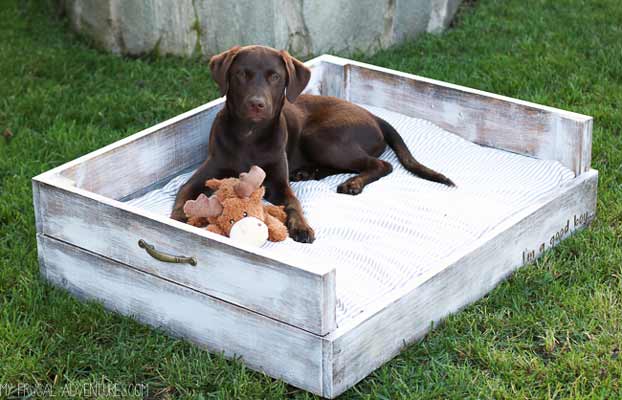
(164,257)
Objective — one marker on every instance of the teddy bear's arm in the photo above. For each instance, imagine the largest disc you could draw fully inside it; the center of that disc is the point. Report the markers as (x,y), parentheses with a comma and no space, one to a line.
(215,229)
(213,184)
(277,212)
(277,231)
(199,222)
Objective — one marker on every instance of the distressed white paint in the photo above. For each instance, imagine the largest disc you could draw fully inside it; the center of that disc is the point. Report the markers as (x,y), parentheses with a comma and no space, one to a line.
(249,279)
(380,333)
(489,120)
(266,345)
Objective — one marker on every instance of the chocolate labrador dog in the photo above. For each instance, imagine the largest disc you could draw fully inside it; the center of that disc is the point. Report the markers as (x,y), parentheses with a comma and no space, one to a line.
(267,122)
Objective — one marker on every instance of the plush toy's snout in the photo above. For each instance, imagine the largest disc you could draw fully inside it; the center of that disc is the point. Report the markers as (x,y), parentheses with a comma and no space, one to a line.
(250,231)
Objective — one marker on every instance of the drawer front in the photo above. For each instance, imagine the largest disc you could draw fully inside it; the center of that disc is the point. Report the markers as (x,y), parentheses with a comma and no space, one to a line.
(264,344)
(302,298)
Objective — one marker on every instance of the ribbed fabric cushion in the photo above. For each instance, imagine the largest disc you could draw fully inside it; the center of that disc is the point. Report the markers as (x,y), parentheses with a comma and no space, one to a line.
(402,227)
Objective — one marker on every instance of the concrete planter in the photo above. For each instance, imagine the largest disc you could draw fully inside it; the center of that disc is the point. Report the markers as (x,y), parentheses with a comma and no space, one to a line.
(304,27)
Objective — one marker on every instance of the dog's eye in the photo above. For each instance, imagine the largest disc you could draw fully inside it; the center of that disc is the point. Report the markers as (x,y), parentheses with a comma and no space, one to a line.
(274,77)
(245,214)
(231,221)
(241,74)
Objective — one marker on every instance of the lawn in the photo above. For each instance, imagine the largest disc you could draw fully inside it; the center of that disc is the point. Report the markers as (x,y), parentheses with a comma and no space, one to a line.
(553,330)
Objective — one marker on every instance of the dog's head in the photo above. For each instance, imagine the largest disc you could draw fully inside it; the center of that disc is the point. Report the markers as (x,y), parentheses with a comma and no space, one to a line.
(256,80)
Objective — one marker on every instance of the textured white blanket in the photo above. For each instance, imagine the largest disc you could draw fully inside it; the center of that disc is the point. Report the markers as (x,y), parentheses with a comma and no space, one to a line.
(402,227)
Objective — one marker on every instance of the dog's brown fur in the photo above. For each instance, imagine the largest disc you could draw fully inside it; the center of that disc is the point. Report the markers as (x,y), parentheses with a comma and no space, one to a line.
(266,122)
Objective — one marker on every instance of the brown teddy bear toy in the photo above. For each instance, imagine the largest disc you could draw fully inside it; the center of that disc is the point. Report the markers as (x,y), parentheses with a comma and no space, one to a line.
(236,210)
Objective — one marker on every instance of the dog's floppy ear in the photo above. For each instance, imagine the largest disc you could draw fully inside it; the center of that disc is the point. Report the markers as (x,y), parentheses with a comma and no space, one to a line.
(297,76)
(219,65)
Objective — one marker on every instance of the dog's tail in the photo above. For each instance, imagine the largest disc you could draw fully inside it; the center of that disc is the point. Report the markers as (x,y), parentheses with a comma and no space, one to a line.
(395,141)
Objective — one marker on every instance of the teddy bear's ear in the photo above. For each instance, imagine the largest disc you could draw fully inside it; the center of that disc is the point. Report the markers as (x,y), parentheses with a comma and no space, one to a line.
(213,183)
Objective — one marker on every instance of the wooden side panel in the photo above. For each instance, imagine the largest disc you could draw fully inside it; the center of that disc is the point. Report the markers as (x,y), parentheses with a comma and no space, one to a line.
(367,343)
(265,345)
(333,81)
(305,299)
(480,117)
(36,200)
(155,154)
(326,78)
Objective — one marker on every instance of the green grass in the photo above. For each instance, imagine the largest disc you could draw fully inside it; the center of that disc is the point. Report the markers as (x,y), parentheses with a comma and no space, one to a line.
(552,330)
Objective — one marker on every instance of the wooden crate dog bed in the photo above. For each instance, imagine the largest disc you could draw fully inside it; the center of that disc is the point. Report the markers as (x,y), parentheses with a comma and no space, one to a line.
(385,265)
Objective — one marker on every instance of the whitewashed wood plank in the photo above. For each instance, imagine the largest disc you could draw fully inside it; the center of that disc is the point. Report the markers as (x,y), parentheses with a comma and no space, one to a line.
(300,297)
(36,200)
(586,146)
(62,170)
(277,349)
(82,172)
(340,61)
(328,82)
(379,334)
(484,118)
(161,155)
(327,369)
(314,86)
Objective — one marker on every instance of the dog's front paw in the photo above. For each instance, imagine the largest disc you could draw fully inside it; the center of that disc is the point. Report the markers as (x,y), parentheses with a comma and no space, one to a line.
(300,231)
